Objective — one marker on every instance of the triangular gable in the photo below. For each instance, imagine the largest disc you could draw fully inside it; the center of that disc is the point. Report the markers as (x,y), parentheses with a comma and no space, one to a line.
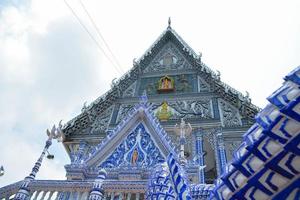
(168,58)
(82,122)
(166,36)
(138,149)
(139,133)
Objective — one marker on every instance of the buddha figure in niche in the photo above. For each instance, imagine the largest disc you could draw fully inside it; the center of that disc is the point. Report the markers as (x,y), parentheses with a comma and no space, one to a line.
(166,84)
(134,157)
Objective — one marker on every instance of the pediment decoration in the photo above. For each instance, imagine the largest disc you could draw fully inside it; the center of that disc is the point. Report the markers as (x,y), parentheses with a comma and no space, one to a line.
(168,54)
(229,114)
(169,58)
(166,84)
(200,108)
(129,92)
(137,141)
(101,122)
(138,150)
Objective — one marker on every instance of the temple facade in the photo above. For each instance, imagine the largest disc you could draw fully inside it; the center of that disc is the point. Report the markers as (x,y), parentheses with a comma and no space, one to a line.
(178,85)
(165,130)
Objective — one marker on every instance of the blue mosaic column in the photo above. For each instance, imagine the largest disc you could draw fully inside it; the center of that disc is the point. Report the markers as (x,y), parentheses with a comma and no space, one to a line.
(220,148)
(97,192)
(200,155)
(78,156)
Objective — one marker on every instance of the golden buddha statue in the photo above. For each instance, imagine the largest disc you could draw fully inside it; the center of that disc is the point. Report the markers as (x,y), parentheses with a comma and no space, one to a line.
(164,113)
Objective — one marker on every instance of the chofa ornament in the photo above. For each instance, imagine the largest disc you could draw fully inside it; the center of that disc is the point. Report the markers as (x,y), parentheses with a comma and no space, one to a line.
(55,132)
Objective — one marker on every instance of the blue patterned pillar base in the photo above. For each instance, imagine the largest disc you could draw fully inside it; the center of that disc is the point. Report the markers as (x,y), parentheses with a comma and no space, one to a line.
(267,164)
(200,157)
(97,192)
(24,191)
(221,151)
(168,181)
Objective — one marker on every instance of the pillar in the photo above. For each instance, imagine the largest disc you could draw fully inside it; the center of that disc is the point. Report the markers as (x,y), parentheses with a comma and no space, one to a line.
(80,152)
(97,192)
(220,149)
(112,196)
(200,155)
(137,196)
(24,191)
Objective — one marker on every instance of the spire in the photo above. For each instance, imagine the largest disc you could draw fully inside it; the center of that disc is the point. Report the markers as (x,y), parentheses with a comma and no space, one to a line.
(169,22)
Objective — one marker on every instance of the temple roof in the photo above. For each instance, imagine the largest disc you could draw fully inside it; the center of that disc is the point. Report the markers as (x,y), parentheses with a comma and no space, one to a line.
(89,113)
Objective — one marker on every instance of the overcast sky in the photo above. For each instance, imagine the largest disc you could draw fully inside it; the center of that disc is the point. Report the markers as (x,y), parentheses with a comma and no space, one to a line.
(49,65)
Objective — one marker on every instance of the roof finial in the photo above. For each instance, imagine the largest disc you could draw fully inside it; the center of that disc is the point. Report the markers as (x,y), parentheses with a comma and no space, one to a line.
(169,22)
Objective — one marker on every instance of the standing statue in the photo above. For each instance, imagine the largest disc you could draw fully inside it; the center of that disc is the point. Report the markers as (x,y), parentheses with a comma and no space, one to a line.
(134,157)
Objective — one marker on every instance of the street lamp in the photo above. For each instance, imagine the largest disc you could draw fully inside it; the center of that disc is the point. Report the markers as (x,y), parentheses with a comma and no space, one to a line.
(24,191)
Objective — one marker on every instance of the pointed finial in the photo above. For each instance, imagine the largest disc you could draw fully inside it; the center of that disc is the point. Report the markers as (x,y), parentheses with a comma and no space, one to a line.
(169,22)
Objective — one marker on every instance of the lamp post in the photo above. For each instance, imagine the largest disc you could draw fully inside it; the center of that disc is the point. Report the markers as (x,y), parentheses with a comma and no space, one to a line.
(182,130)
(24,191)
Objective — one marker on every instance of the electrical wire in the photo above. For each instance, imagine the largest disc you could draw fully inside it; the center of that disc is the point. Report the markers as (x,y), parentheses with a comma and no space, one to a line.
(101,36)
(93,38)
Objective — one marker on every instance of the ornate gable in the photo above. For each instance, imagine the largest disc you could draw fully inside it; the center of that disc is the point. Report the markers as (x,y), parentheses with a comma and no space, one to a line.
(169,58)
(168,54)
(139,140)
(138,149)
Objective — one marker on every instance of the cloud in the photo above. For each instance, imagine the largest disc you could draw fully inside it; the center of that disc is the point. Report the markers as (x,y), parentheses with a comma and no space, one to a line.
(45,76)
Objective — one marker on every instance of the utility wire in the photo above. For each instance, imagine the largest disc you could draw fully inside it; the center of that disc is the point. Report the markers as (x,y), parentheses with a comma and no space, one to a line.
(93,38)
(101,36)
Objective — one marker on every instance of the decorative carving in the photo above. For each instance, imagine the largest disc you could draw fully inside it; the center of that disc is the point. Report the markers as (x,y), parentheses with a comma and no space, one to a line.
(124,109)
(169,58)
(203,86)
(181,55)
(192,109)
(129,92)
(151,89)
(210,137)
(229,115)
(232,146)
(184,85)
(101,122)
(137,149)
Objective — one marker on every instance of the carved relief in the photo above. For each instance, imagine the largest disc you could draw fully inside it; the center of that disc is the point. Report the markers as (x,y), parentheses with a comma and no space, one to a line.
(202,85)
(129,92)
(169,58)
(123,111)
(137,149)
(101,122)
(183,84)
(232,146)
(188,109)
(230,116)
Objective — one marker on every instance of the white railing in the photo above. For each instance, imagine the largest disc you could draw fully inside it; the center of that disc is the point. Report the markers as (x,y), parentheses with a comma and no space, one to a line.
(50,190)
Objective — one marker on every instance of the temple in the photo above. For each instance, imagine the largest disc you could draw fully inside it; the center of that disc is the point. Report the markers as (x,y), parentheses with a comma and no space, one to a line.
(168,129)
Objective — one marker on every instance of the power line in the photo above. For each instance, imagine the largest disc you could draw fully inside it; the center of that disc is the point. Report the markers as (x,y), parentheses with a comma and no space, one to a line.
(101,36)
(93,38)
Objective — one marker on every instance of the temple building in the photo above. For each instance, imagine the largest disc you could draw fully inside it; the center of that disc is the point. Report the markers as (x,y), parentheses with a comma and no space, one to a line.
(167,129)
